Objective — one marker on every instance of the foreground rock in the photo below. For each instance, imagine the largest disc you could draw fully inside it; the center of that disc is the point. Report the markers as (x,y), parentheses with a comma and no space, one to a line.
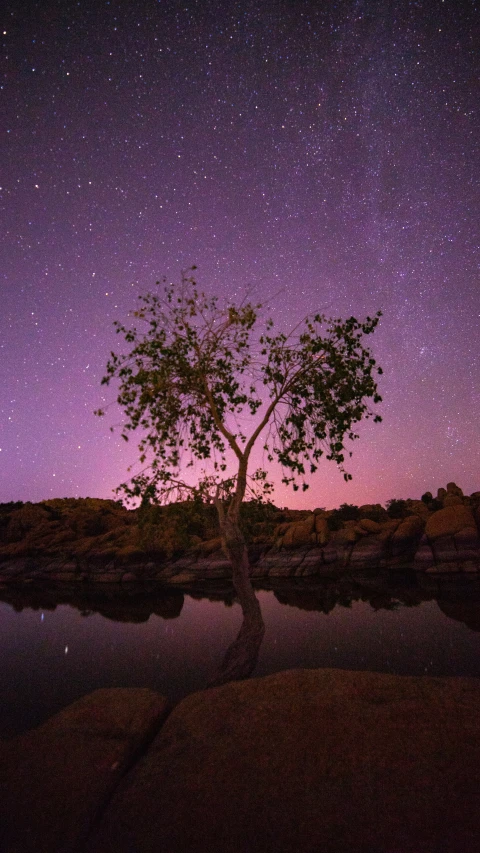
(305,760)
(55,780)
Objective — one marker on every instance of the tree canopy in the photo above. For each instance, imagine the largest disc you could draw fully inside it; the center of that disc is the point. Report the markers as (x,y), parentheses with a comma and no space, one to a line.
(204,382)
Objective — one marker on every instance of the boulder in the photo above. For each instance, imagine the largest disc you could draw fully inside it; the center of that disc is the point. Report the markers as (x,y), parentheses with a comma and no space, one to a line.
(374,511)
(453,489)
(210,546)
(444,550)
(299,533)
(369,552)
(332,554)
(55,780)
(424,559)
(321,529)
(467,544)
(405,539)
(410,529)
(453,500)
(311,564)
(308,760)
(215,566)
(369,526)
(347,536)
(183,577)
(283,564)
(360,531)
(448,521)
(418,508)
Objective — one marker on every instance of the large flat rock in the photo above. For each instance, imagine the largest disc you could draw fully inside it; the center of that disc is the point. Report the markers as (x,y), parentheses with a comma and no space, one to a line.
(308,760)
(55,780)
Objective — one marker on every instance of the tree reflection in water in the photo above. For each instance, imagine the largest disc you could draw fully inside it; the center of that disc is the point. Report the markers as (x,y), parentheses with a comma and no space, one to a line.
(242,655)
(457,597)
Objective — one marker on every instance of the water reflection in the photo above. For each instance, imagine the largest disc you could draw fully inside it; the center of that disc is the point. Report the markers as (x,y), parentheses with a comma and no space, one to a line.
(458,597)
(241,657)
(117,603)
(60,643)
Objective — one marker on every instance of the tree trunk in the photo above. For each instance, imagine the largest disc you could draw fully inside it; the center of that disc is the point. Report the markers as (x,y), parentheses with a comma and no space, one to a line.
(236,549)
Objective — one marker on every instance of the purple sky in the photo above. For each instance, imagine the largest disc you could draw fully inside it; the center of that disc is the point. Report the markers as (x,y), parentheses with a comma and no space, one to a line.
(324,152)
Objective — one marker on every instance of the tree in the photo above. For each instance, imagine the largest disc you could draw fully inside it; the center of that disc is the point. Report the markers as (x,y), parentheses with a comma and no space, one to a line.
(205,385)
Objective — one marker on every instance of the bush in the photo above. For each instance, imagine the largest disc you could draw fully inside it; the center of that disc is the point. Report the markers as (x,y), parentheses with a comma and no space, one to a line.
(346,512)
(171,529)
(397,508)
(174,528)
(258,517)
(7,508)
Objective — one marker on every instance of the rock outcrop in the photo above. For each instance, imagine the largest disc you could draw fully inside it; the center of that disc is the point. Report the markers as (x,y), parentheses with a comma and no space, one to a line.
(100,541)
(55,780)
(303,760)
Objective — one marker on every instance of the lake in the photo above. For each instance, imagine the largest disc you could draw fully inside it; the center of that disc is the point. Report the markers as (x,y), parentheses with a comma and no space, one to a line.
(60,644)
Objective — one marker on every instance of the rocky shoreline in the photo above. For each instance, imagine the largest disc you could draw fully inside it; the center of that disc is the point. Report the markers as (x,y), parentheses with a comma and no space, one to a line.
(95,541)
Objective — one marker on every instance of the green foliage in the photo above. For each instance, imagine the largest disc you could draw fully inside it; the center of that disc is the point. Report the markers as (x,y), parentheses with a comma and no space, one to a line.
(6,510)
(85,516)
(169,530)
(257,515)
(334,522)
(174,528)
(10,506)
(397,508)
(346,512)
(197,373)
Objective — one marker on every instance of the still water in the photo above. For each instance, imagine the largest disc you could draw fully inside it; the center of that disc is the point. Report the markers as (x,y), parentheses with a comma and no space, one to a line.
(55,648)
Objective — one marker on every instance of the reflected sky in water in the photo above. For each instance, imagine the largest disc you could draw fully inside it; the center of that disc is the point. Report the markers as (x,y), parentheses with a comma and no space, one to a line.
(50,657)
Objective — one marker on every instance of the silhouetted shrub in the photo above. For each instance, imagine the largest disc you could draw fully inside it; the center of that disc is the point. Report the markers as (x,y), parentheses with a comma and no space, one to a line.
(7,508)
(334,522)
(346,512)
(94,525)
(397,508)
(169,530)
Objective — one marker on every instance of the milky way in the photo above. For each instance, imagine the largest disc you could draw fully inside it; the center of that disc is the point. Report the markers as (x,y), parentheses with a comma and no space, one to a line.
(324,154)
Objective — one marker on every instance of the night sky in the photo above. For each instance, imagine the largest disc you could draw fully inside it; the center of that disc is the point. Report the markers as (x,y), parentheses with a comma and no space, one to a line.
(325,154)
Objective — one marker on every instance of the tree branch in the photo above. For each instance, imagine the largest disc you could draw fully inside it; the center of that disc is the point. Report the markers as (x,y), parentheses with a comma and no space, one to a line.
(216,417)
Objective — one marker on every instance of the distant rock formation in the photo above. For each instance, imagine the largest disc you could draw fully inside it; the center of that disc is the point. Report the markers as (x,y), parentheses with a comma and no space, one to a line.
(92,540)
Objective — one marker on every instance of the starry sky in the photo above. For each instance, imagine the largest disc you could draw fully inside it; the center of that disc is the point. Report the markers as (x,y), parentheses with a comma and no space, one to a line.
(324,154)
